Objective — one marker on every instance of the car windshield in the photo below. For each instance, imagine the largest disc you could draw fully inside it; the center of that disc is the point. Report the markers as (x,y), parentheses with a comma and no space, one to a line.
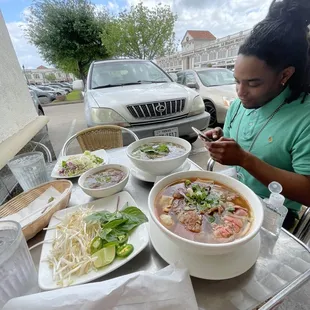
(109,74)
(216,77)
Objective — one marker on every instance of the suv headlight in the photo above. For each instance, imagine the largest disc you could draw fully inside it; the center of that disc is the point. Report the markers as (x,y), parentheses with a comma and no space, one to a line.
(228,101)
(105,116)
(198,106)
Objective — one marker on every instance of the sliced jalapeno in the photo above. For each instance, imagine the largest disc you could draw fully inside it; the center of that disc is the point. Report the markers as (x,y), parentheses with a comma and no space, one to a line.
(122,238)
(124,250)
(96,245)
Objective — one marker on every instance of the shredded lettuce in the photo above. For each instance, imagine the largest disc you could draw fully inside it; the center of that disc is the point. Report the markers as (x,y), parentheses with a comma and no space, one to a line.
(78,164)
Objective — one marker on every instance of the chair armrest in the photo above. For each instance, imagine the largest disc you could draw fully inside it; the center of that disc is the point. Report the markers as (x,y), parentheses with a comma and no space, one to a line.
(302,230)
(210,164)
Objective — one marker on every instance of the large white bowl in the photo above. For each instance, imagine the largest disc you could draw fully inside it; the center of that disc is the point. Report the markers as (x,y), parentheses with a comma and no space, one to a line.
(108,191)
(209,248)
(163,166)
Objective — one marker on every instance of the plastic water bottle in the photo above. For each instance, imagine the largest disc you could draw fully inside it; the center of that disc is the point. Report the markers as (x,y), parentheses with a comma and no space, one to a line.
(275,211)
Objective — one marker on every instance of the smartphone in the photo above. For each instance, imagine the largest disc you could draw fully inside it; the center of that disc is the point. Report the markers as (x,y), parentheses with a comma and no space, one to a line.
(202,135)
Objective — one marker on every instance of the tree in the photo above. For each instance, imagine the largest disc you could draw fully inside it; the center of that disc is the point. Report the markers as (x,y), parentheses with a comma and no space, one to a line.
(141,32)
(50,77)
(67,33)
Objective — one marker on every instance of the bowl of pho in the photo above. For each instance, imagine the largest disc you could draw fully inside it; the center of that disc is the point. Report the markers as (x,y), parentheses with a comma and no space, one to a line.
(158,155)
(104,181)
(205,212)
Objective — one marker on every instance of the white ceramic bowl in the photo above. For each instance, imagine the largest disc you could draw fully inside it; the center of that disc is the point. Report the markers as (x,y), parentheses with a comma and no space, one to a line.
(108,191)
(209,248)
(159,167)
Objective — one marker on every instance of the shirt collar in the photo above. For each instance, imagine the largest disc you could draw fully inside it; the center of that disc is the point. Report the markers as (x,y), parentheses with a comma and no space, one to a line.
(267,109)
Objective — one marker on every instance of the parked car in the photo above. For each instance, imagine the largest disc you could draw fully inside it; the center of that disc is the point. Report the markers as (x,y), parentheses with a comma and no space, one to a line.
(52,90)
(66,84)
(217,88)
(36,102)
(44,96)
(58,85)
(139,95)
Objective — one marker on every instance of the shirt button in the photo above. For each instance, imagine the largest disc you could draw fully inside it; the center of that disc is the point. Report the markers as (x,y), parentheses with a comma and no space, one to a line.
(251,124)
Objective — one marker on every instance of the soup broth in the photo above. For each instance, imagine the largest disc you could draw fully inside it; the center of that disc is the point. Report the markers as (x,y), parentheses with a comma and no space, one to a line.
(203,211)
(104,179)
(158,151)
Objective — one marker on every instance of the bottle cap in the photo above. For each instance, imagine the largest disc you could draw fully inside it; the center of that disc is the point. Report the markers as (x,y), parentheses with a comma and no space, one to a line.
(275,198)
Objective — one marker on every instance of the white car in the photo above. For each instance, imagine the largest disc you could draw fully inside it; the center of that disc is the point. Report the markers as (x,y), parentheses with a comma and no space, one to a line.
(139,95)
(50,89)
(216,86)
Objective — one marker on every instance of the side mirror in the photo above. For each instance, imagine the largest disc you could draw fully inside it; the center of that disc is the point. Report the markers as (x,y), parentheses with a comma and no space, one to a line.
(192,85)
(78,85)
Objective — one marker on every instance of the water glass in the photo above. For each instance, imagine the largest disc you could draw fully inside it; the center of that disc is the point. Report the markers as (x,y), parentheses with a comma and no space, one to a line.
(29,169)
(18,275)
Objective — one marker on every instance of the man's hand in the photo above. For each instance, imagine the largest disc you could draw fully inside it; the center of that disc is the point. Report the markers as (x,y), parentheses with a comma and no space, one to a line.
(227,152)
(215,133)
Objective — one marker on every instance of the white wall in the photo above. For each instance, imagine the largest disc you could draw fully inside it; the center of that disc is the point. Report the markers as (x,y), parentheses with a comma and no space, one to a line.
(16,106)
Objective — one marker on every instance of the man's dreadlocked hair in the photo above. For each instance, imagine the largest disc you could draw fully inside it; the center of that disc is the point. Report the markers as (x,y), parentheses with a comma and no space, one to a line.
(281,40)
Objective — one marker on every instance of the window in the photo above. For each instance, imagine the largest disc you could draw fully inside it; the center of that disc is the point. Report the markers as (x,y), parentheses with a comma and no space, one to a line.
(121,72)
(180,78)
(197,59)
(204,57)
(216,77)
(190,79)
(212,55)
(37,76)
(232,52)
(222,54)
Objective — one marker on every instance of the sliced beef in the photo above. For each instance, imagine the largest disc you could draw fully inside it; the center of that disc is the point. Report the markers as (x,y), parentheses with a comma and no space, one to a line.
(178,205)
(191,220)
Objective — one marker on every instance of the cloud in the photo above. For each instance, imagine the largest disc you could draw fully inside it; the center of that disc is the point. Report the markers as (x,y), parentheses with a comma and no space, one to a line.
(27,54)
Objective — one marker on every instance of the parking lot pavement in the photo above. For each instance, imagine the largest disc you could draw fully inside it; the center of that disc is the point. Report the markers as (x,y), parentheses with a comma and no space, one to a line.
(66,120)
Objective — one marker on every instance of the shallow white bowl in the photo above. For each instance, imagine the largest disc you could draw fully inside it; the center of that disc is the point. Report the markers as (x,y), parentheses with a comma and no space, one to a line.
(108,191)
(159,167)
(209,248)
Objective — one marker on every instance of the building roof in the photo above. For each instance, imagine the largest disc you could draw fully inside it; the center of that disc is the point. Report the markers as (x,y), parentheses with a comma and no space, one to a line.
(41,67)
(200,35)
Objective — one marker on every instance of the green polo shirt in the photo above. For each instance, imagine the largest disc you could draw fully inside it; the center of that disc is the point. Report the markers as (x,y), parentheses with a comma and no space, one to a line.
(284,143)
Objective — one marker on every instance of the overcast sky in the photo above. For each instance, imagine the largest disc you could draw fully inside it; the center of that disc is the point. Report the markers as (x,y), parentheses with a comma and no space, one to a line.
(221,17)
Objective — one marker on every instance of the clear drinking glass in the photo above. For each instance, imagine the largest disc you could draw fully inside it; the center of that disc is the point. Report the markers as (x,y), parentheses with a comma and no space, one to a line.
(29,169)
(18,275)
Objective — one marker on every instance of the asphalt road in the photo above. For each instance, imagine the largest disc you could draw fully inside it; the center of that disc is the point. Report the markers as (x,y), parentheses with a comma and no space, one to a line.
(66,120)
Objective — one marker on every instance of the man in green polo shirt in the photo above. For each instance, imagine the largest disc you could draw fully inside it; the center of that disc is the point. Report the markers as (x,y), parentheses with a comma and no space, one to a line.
(267,131)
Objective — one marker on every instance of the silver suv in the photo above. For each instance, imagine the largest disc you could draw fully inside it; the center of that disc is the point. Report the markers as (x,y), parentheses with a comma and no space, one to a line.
(139,95)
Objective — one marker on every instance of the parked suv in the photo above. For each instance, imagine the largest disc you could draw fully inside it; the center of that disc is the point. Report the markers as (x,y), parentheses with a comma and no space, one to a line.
(139,95)
(216,86)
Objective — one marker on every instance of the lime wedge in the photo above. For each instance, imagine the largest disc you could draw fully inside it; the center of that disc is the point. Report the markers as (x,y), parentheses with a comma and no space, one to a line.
(104,257)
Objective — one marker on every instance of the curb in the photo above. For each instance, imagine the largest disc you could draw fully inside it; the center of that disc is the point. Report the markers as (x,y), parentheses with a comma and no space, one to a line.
(61,103)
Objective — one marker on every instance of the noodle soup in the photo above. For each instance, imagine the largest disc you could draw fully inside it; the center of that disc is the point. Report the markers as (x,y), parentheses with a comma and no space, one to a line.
(204,211)
(158,151)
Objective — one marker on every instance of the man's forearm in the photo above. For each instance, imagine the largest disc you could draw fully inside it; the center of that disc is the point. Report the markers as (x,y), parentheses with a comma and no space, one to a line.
(296,187)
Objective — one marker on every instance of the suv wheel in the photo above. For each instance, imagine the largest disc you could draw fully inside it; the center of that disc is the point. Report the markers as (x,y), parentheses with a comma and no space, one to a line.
(209,107)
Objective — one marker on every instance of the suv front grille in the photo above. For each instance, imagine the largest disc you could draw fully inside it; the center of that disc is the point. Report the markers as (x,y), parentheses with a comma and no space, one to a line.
(157,109)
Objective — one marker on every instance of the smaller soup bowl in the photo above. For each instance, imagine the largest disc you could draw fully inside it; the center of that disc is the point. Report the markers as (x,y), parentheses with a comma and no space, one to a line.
(107,191)
(209,248)
(159,166)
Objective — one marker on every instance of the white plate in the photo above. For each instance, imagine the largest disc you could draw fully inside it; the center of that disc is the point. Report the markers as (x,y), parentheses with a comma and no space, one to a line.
(144,176)
(100,153)
(139,238)
(210,267)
